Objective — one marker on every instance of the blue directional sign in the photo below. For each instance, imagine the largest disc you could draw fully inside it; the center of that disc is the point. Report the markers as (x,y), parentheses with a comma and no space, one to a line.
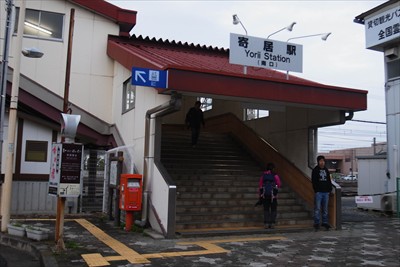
(148,77)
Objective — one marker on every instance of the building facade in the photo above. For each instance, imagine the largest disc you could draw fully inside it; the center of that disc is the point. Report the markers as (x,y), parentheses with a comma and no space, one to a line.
(382,34)
(345,161)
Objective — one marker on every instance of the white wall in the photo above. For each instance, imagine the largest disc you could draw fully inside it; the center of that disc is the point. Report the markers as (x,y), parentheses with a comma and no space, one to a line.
(131,124)
(159,193)
(287,131)
(393,130)
(35,132)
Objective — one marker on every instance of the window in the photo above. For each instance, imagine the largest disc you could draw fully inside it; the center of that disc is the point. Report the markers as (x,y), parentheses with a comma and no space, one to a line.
(206,103)
(42,24)
(252,114)
(393,69)
(36,151)
(129,93)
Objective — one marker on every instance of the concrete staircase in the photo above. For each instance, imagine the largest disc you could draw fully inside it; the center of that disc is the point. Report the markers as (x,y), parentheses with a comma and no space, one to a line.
(217,185)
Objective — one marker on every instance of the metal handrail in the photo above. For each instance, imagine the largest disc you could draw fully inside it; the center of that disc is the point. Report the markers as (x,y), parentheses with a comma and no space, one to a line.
(398,196)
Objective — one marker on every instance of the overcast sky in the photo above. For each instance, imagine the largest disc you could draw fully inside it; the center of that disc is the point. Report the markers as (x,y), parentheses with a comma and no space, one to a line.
(342,60)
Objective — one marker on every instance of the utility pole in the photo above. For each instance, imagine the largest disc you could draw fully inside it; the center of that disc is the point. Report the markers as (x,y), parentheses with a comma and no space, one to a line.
(374,146)
(12,124)
(4,69)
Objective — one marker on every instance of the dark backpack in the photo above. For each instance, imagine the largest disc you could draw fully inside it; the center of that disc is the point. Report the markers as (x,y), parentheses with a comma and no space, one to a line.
(269,184)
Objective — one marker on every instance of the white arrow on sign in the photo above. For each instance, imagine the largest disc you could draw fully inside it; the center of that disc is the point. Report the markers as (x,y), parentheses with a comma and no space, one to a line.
(138,75)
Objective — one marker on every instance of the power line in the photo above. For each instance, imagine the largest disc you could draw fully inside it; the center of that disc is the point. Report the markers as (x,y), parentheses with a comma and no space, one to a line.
(376,122)
(351,135)
(344,138)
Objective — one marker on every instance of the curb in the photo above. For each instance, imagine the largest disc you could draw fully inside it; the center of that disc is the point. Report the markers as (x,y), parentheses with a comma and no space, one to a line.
(40,251)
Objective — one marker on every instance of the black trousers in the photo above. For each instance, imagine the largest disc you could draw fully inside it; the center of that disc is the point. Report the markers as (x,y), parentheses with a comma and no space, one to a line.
(270,210)
(195,134)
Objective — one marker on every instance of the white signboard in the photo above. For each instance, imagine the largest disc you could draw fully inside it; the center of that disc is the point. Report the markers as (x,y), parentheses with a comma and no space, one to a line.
(364,199)
(113,172)
(383,27)
(265,53)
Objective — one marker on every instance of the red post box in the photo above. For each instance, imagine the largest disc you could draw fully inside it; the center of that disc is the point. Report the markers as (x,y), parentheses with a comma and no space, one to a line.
(130,196)
(131,192)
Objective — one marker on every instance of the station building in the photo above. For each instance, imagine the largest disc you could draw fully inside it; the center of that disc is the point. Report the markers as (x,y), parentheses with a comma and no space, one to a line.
(251,119)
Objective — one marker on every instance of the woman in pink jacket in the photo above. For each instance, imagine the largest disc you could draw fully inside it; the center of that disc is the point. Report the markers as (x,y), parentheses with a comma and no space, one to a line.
(268,188)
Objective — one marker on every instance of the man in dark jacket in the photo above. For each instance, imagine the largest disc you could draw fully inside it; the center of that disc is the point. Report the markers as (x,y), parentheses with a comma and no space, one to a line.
(321,181)
(194,119)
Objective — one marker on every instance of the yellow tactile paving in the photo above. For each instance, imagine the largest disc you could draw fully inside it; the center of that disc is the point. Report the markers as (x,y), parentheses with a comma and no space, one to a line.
(95,259)
(114,258)
(126,253)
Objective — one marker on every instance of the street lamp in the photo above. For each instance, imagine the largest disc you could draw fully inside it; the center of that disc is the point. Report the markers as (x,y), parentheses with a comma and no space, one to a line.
(324,37)
(12,121)
(32,52)
(236,21)
(289,28)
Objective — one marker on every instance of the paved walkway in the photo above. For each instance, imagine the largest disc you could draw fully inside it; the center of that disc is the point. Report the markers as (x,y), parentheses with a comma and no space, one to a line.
(10,257)
(367,239)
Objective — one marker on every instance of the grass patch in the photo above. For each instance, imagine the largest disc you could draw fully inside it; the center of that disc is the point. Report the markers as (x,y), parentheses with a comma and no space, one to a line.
(72,245)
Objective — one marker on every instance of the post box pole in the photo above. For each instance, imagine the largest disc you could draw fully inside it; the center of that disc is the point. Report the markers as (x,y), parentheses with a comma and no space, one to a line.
(128,220)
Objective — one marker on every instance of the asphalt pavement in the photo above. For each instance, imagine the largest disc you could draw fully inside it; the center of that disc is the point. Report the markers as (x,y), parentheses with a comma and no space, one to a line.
(367,238)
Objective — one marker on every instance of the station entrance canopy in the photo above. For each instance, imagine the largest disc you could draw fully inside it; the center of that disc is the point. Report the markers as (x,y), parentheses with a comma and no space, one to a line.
(206,70)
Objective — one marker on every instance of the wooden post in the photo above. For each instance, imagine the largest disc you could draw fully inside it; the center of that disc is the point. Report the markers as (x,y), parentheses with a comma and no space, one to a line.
(59,232)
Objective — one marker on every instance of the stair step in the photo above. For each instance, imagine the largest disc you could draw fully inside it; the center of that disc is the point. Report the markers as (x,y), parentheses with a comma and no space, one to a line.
(220,176)
(250,230)
(217,195)
(221,186)
(220,171)
(228,201)
(216,189)
(211,166)
(232,216)
(184,183)
(244,208)
(175,155)
(240,194)
(238,223)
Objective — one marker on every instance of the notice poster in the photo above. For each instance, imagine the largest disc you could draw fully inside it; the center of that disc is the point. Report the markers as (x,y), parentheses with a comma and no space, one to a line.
(66,170)
(55,169)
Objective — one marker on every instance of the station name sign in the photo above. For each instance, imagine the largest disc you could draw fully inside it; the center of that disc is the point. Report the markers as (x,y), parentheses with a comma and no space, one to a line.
(265,53)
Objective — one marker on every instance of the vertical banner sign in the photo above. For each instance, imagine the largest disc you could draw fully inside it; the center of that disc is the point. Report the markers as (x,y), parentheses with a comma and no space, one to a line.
(55,169)
(66,170)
